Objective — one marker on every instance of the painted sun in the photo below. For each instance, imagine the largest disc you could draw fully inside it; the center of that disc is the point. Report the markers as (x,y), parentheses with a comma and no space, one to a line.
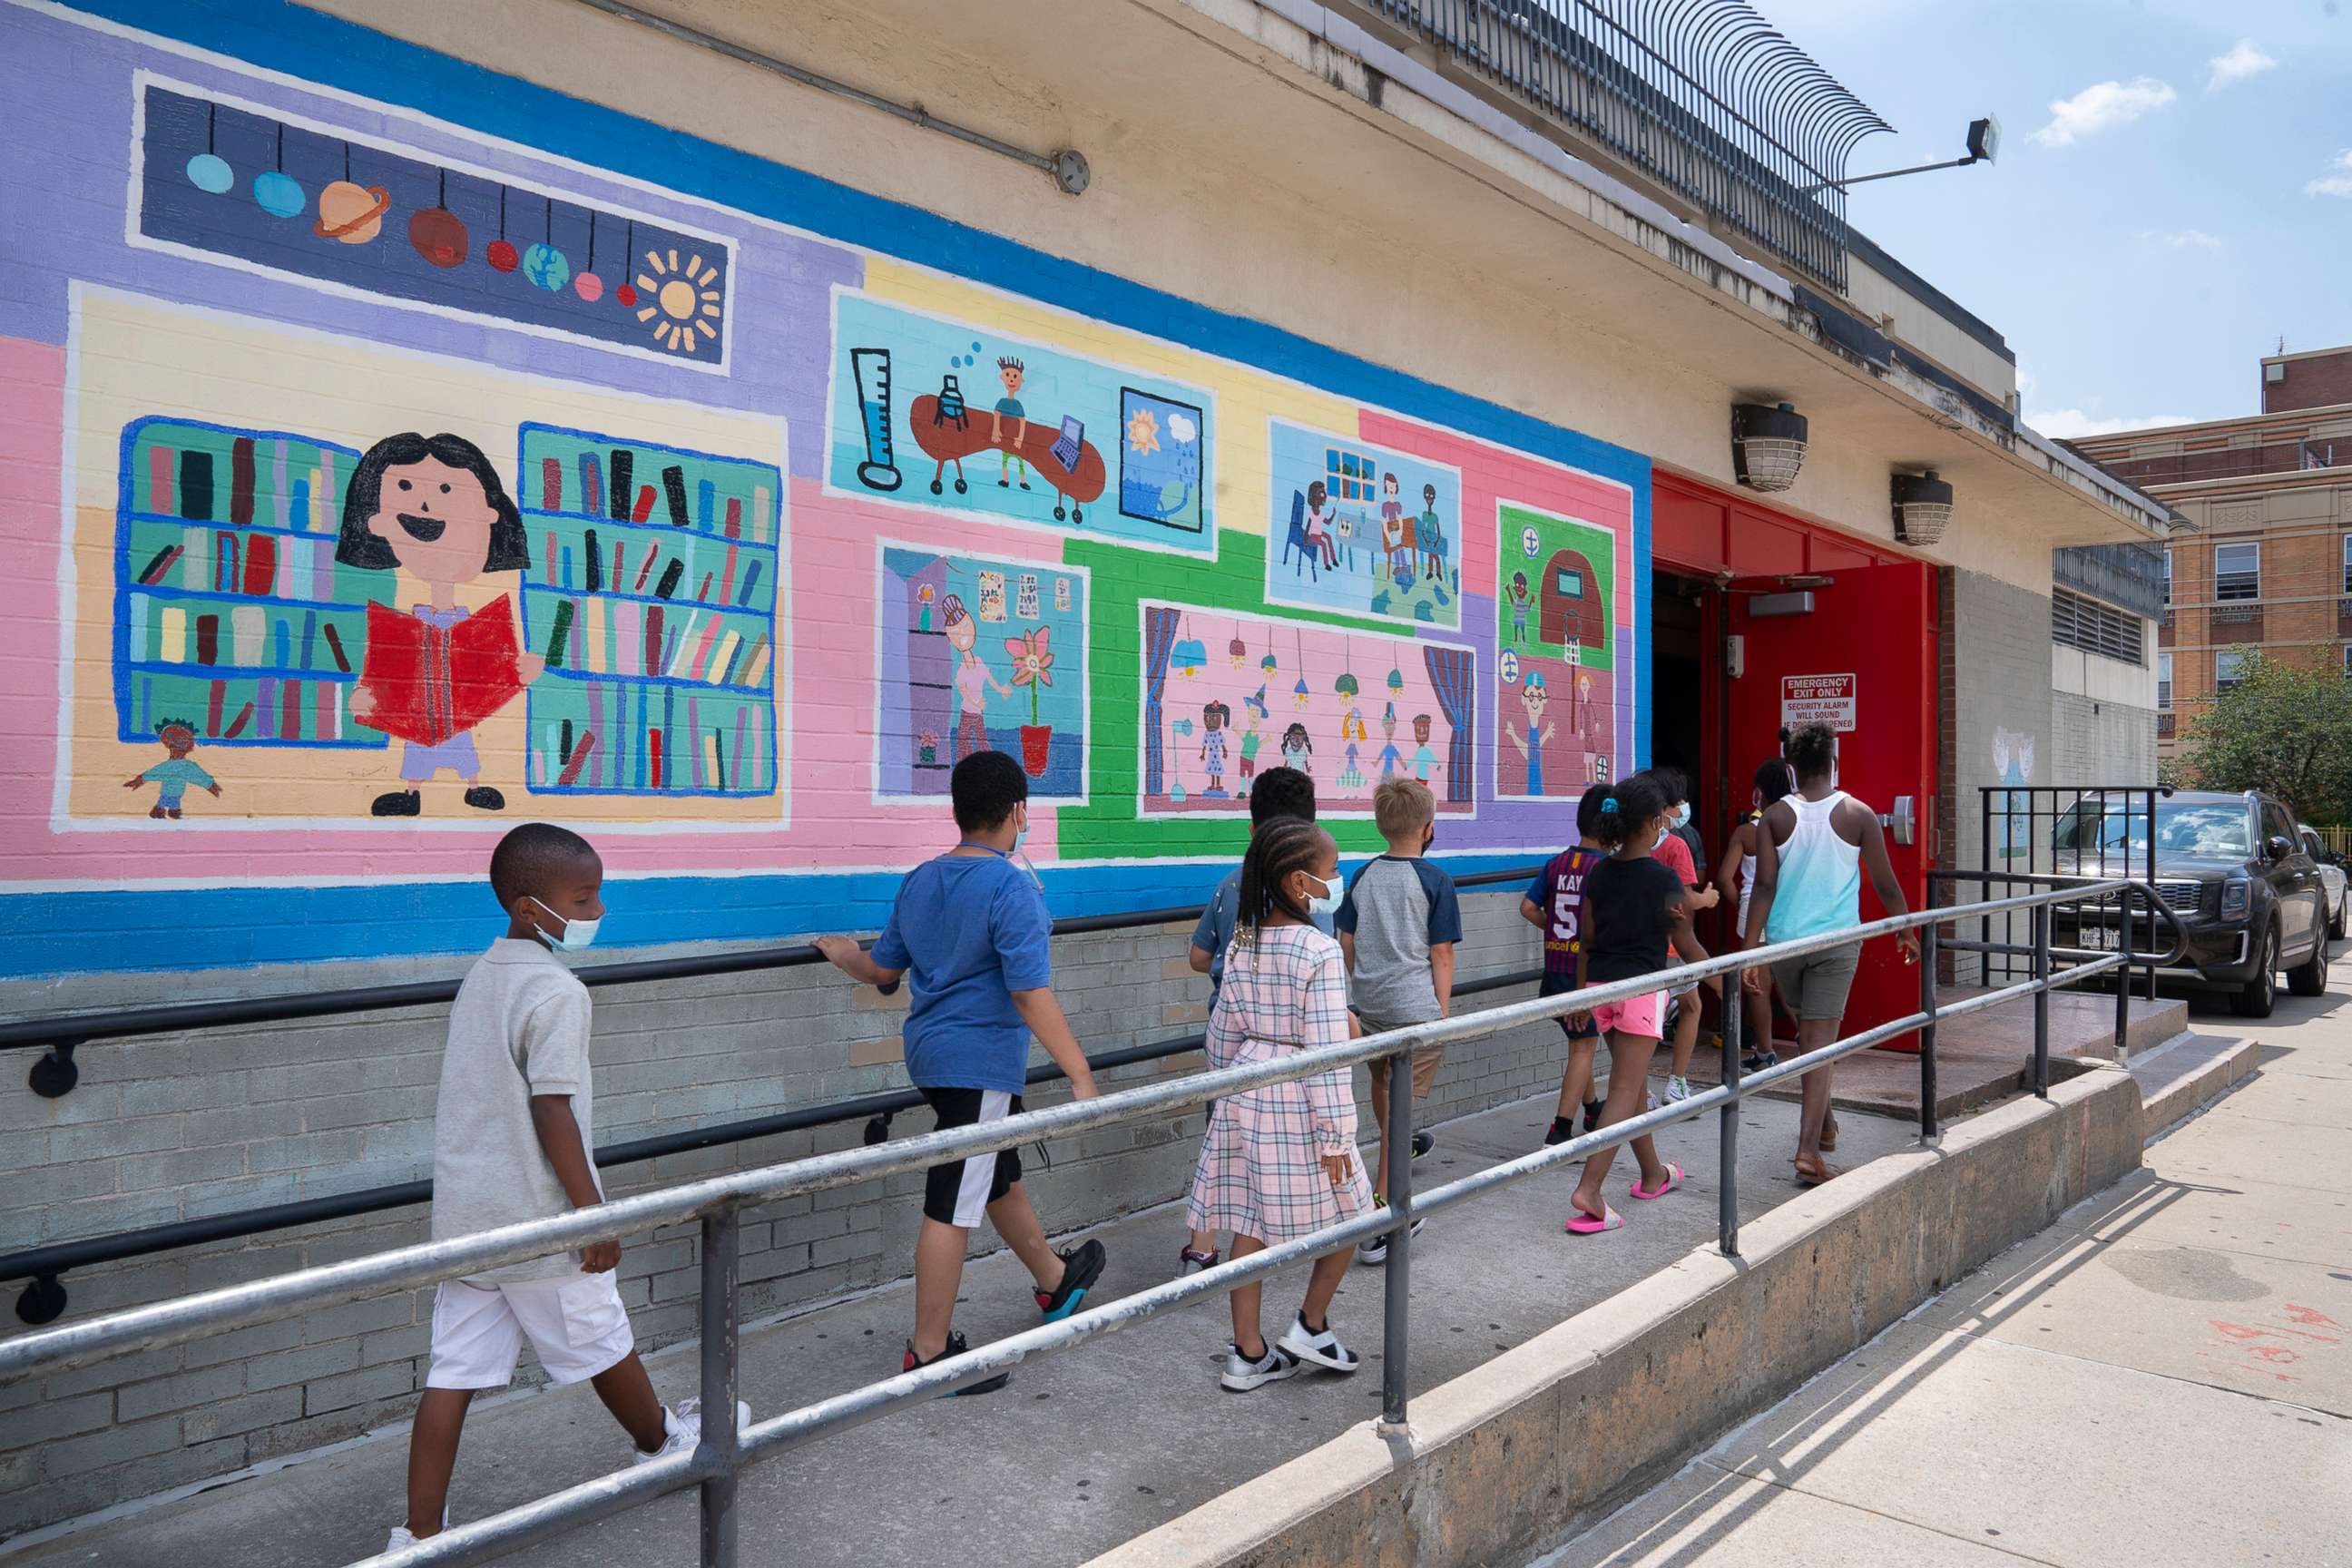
(683,307)
(1143,432)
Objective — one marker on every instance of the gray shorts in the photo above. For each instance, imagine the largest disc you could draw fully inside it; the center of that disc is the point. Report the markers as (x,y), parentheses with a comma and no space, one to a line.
(1815,986)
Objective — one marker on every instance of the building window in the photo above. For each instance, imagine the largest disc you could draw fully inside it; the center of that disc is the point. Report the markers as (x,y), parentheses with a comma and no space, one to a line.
(2348,661)
(2167,569)
(2237,571)
(2077,621)
(2229,667)
(2347,562)
(2164,678)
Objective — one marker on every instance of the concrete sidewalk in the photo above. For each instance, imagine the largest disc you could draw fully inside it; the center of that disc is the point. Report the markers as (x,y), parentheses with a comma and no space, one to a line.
(2164,1378)
(1082,1452)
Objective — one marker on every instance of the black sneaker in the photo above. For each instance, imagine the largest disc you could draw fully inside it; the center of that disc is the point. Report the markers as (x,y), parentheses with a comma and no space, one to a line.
(1423,1142)
(1242,1374)
(1757,1061)
(1592,1109)
(1081,1266)
(956,1346)
(1375,1249)
(1563,1128)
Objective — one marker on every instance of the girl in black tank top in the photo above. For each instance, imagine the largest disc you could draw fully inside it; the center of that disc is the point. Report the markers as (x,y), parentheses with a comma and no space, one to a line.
(1637,915)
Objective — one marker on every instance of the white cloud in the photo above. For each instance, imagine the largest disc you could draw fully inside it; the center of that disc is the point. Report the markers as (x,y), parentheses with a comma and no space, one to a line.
(2102,106)
(2071,424)
(1182,429)
(2180,238)
(2245,60)
(2337,184)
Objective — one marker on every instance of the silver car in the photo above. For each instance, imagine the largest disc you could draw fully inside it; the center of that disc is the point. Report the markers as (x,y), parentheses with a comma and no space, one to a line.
(2331,879)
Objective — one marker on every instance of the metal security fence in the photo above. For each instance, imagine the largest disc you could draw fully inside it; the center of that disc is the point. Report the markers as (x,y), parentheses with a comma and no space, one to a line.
(1707,99)
(2046,835)
(715,1202)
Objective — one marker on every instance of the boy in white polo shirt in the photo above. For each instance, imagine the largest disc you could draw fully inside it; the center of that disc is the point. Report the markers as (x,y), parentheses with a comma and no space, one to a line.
(510,1142)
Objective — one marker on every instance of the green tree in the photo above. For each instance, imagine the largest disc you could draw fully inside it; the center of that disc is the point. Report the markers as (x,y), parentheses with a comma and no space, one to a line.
(2281,728)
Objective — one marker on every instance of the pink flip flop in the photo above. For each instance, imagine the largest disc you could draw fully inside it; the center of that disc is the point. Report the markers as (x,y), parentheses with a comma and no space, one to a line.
(1582,1224)
(1674,1179)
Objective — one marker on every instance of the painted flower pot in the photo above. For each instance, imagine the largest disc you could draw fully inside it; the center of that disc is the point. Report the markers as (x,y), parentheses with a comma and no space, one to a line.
(1036,748)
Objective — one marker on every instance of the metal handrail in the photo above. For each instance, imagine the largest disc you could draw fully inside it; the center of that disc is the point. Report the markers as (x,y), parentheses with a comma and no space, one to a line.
(717,1202)
(45,1299)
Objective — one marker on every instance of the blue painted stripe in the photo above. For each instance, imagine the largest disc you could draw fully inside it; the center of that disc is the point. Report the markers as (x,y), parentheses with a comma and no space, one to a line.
(54,934)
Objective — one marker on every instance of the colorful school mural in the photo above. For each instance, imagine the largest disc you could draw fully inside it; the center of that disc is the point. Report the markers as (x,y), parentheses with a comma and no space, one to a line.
(378,515)
(1556,639)
(1364,531)
(1224,696)
(979,656)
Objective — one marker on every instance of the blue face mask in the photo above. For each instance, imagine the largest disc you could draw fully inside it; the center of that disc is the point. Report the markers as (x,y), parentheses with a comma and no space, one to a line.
(576,934)
(1681,818)
(1327,902)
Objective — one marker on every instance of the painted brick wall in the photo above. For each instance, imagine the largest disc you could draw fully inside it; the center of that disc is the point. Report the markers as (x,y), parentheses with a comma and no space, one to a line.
(179,1127)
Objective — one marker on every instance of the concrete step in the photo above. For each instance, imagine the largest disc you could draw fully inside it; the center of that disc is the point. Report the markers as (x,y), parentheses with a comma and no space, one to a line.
(2188,1072)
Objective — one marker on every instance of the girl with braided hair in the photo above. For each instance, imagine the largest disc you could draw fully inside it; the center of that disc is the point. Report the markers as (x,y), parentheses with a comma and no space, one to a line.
(1280,1162)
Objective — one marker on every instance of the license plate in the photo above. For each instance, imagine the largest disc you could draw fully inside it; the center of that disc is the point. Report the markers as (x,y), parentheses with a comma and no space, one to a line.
(2103,938)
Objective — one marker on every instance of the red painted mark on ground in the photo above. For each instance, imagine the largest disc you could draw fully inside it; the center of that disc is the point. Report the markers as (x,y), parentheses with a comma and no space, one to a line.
(2310,1315)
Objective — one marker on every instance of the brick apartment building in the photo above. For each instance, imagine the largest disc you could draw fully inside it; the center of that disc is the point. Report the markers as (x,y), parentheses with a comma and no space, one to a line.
(2269,569)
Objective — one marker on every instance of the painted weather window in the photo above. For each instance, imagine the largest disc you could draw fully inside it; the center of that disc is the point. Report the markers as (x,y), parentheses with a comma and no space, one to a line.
(279,195)
(1225,696)
(940,414)
(652,601)
(1362,531)
(980,654)
(234,619)
(1557,659)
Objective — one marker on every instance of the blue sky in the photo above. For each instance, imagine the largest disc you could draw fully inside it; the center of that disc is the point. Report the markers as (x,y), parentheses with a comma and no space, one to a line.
(2142,246)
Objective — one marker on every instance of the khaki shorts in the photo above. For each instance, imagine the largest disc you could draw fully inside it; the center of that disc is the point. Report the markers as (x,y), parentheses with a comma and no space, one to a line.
(1425,1062)
(1816,986)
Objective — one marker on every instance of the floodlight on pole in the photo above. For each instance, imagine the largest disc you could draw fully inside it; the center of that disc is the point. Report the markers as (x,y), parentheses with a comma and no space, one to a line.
(1984,144)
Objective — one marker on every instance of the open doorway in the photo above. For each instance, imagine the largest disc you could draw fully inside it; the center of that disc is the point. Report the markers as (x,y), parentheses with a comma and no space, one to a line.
(1680,671)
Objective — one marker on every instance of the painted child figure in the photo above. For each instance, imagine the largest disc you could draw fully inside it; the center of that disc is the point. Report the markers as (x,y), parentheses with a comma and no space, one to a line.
(1522,601)
(1280,1162)
(173,775)
(1214,717)
(1298,751)
(1392,758)
(1424,760)
(1433,535)
(433,506)
(1012,373)
(1318,524)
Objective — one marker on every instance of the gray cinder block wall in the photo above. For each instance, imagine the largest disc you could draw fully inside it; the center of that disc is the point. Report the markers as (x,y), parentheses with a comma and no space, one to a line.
(178,1127)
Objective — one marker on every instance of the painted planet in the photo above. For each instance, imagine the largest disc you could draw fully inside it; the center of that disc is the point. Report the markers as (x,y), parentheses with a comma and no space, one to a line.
(626,295)
(438,234)
(351,213)
(502,256)
(210,173)
(589,286)
(278,193)
(547,267)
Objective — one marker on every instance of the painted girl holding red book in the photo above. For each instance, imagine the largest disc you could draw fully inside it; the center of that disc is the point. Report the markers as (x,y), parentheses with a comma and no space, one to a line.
(434,507)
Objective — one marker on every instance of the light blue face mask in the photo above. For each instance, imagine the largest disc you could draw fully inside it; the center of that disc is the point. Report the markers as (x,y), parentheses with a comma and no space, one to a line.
(577,934)
(1327,902)
(1682,818)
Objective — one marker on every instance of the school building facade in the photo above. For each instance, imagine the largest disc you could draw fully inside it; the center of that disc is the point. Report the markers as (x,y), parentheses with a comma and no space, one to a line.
(1382,419)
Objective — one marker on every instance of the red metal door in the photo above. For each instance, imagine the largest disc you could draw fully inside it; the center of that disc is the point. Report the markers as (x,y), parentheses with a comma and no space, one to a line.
(1864,656)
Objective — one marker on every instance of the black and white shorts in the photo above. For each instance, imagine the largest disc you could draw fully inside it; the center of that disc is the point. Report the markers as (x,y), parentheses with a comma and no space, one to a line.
(960,1192)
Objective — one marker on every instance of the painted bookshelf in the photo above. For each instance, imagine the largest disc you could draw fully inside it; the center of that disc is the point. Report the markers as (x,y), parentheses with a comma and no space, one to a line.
(231,611)
(652,595)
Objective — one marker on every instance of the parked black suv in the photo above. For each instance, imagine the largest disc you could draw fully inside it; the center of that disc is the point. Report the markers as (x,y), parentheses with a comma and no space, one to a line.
(2233,867)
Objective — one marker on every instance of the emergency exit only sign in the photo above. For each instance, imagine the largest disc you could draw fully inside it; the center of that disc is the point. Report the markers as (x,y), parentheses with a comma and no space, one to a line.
(1818,699)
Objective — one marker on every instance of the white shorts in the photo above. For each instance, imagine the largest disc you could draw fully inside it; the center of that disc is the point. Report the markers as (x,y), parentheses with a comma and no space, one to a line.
(578,1327)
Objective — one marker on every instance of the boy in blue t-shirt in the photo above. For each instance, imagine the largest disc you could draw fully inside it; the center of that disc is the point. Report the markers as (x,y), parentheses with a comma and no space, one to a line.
(971,928)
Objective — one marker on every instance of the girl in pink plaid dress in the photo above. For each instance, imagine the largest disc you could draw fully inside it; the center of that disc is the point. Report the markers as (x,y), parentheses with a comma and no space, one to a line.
(1280,1162)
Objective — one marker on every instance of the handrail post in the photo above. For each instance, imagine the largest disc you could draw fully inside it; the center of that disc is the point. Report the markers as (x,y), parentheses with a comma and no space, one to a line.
(2042,1001)
(1735,1003)
(2123,971)
(720,1237)
(1396,1306)
(1930,1126)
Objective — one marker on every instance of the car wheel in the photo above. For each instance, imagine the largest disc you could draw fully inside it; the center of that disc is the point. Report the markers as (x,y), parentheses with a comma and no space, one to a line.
(2309,978)
(2255,998)
(2336,920)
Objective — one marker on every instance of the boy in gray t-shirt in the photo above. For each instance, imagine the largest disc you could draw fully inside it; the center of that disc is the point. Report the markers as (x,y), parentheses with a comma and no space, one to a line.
(1398,926)
(510,1140)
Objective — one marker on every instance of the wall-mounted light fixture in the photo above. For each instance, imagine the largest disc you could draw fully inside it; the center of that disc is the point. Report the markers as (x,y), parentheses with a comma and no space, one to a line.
(1923,507)
(1768,445)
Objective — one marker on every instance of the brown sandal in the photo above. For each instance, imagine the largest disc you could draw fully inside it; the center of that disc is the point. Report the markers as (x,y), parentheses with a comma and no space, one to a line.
(1828,1134)
(1814,1171)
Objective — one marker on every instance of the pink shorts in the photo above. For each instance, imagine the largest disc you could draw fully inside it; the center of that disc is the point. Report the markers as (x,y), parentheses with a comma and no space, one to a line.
(1636,1016)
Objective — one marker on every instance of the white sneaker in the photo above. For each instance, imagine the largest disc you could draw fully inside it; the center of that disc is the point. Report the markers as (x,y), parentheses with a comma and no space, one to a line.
(1324,1349)
(1677,1089)
(1242,1374)
(684,1425)
(400,1537)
